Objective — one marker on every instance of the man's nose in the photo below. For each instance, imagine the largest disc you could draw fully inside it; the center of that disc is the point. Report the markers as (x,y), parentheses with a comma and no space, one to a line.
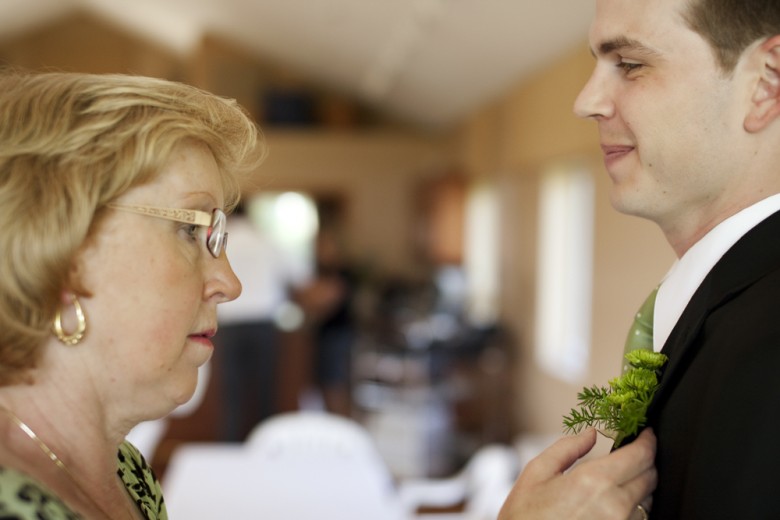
(593,100)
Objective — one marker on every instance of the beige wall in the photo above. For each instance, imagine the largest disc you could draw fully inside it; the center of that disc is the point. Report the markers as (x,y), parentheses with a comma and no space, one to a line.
(83,42)
(377,173)
(513,140)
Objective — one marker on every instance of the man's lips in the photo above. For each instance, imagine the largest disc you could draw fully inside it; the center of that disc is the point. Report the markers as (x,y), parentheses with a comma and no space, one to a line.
(615,152)
(611,150)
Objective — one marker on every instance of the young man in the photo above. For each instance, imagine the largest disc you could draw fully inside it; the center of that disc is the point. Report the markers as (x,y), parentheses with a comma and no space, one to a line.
(686,94)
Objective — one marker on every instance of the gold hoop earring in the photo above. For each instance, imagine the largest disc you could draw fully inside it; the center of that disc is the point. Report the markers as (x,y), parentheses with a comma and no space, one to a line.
(71,339)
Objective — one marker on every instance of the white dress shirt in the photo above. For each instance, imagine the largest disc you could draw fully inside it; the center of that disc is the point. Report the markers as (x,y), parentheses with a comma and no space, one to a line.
(687,273)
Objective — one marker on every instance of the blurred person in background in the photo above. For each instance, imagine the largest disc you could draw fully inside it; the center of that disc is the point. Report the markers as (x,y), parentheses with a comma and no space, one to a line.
(327,303)
(248,339)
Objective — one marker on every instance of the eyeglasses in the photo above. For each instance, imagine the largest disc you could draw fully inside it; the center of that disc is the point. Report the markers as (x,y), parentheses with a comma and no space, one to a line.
(216,235)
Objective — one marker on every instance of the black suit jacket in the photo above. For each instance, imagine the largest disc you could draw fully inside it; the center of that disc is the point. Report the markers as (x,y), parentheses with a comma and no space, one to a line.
(717,410)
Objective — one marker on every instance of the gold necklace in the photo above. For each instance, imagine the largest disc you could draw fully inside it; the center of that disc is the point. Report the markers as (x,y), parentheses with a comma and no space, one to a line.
(53,457)
(42,445)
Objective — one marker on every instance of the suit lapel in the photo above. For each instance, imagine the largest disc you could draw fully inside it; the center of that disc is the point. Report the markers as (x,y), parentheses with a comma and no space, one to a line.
(751,258)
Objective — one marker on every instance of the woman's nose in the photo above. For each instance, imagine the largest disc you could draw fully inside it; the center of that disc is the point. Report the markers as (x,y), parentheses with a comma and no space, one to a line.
(223,282)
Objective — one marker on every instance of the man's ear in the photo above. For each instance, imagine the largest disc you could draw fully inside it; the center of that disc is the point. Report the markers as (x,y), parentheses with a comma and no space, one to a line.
(765,106)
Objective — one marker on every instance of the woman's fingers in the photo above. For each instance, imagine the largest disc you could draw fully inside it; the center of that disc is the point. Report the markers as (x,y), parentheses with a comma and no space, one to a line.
(607,487)
(629,461)
(615,484)
(559,456)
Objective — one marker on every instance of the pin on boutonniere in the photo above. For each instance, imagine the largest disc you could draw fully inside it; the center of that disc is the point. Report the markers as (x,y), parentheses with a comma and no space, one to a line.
(618,411)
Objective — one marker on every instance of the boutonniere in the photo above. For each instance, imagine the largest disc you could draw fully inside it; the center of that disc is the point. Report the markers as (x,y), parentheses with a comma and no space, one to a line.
(618,411)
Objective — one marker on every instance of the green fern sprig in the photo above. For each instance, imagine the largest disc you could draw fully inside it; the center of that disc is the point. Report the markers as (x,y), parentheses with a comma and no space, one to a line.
(618,411)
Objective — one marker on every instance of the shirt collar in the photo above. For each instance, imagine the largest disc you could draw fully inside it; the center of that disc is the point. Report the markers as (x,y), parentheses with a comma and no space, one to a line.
(687,273)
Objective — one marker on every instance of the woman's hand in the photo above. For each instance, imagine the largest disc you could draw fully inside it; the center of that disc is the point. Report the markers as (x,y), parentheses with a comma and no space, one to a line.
(604,488)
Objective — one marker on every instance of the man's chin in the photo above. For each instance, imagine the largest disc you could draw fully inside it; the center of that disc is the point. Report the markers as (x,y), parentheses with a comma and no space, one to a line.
(626,204)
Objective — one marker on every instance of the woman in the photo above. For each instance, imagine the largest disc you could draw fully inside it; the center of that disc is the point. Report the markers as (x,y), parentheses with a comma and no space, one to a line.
(112,198)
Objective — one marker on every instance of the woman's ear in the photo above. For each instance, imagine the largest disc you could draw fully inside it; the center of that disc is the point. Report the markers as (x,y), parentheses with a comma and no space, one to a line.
(765,106)
(76,278)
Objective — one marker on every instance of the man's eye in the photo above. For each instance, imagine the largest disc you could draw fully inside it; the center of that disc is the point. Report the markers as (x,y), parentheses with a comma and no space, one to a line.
(628,66)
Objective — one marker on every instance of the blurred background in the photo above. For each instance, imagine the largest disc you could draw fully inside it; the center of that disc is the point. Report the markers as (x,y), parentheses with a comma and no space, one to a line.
(430,243)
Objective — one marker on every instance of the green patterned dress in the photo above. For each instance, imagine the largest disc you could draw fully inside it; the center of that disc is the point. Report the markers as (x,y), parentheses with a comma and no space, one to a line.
(24,498)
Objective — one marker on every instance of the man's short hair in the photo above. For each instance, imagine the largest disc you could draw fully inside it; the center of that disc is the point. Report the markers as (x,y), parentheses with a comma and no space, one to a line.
(730,26)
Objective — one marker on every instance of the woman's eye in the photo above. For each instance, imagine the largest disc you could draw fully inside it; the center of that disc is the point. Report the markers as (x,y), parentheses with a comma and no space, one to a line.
(192,231)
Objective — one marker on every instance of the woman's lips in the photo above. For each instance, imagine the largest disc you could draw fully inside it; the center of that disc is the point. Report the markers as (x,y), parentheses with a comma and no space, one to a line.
(203,337)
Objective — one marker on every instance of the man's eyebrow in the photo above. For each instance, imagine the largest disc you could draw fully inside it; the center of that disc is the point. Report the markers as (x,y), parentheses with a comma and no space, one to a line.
(621,43)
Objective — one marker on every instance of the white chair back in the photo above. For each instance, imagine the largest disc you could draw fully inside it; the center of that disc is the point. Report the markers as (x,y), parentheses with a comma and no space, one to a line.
(482,485)
(298,466)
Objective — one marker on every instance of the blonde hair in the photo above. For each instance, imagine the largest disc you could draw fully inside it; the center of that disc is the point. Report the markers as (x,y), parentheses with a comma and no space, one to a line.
(70,144)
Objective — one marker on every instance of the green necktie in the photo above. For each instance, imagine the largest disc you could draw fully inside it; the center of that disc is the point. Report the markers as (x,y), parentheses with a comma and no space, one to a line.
(641,334)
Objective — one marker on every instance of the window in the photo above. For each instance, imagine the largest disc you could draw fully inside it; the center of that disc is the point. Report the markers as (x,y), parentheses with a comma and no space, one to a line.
(481,258)
(290,218)
(564,272)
